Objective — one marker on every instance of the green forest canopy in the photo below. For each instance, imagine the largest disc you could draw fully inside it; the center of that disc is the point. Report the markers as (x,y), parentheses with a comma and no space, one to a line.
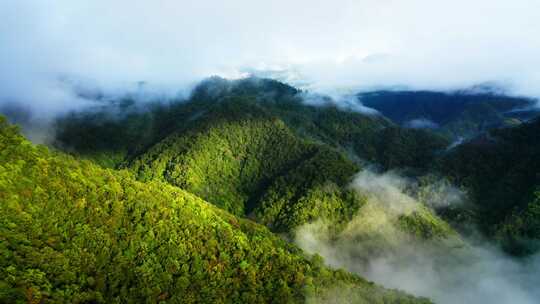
(71,231)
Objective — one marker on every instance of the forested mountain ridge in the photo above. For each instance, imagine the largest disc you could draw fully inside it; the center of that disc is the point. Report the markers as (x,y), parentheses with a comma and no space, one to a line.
(242,105)
(231,160)
(123,129)
(243,156)
(253,147)
(179,144)
(459,114)
(501,169)
(190,196)
(74,232)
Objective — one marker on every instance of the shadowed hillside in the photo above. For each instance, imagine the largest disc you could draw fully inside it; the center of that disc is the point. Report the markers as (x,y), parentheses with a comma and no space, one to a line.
(455,115)
(502,171)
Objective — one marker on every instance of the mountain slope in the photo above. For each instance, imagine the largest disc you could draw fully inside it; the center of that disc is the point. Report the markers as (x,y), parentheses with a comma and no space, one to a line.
(239,156)
(457,114)
(223,159)
(502,172)
(122,129)
(252,147)
(74,232)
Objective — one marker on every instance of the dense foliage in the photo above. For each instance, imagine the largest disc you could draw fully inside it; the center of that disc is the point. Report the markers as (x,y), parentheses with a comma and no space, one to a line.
(251,147)
(501,170)
(223,159)
(73,232)
(169,208)
(310,191)
(254,148)
(120,130)
(458,114)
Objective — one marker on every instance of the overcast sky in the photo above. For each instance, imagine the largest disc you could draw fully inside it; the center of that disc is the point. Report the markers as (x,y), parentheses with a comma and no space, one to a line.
(332,44)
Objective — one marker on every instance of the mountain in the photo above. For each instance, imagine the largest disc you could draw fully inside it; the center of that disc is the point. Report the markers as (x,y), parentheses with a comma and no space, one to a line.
(230,195)
(120,130)
(460,114)
(253,148)
(497,161)
(75,232)
(501,170)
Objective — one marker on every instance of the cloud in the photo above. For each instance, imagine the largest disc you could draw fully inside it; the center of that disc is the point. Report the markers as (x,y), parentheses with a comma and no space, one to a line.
(482,274)
(421,123)
(343,44)
(447,271)
(386,189)
(348,102)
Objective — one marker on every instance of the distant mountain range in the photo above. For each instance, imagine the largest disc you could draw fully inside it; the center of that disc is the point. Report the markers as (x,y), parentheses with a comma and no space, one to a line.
(457,114)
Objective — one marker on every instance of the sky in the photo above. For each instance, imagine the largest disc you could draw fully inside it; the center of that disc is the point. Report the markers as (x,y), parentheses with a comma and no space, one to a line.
(340,45)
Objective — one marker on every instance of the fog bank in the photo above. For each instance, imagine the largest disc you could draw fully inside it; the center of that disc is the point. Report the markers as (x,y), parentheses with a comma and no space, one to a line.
(471,271)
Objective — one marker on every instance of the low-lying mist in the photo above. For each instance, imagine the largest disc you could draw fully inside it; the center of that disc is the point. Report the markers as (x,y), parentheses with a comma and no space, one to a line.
(450,270)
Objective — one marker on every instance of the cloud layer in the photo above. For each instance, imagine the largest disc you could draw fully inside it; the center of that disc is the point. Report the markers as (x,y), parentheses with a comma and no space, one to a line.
(334,45)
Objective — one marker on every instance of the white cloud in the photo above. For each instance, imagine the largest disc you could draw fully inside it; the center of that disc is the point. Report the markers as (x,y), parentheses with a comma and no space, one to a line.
(335,45)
